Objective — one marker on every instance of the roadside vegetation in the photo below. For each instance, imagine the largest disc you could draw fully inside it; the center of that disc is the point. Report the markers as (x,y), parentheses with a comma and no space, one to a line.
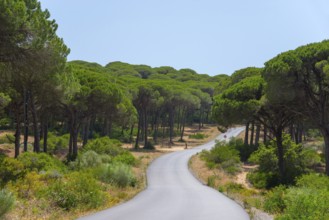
(73,133)
(255,185)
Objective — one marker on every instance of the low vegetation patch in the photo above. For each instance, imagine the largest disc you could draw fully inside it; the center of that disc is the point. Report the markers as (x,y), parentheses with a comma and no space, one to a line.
(222,156)
(197,136)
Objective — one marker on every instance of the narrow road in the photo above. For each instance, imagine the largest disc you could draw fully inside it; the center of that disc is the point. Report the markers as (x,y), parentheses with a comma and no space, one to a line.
(173,193)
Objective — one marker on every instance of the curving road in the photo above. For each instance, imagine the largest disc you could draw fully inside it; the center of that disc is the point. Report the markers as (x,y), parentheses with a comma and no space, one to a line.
(173,193)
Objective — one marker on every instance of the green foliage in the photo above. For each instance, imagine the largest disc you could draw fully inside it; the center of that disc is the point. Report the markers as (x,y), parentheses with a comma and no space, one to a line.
(274,200)
(125,158)
(244,150)
(7,202)
(197,136)
(296,160)
(306,204)
(263,180)
(87,159)
(30,186)
(11,169)
(118,174)
(104,145)
(313,181)
(223,155)
(77,190)
(56,143)
(7,139)
(211,181)
(40,162)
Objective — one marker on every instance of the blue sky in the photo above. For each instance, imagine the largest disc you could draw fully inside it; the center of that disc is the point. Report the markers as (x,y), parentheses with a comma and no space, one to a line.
(209,36)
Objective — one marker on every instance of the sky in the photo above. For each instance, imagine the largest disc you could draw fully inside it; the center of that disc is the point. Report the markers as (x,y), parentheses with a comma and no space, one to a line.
(209,36)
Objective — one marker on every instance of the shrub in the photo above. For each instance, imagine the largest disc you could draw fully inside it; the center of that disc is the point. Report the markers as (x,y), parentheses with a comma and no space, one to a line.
(11,169)
(227,157)
(117,174)
(40,161)
(126,158)
(7,201)
(306,203)
(233,188)
(104,145)
(263,180)
(211,181)
(295,163)
(29,186)
(90,159)
(56,143)
(313,181)
(274,200)
(77,190)
(7,139)
(197,136)
(244,150)
(311,158)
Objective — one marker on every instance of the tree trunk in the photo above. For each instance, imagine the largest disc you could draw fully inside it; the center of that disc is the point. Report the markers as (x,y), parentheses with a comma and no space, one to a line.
(45,137)
(200,118)
(171,125)
(252,133)
(70,145)
(75,132)
(325,133)
(183,126)
(265,134)
(278,135)
(17,135)
(257,134)
(138,131)
(246,136)
(156,128)
(26,119)
(35,127)
(145,129)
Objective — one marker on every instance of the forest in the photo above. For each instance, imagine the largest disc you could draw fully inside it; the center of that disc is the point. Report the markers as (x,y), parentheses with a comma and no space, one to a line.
(65,122)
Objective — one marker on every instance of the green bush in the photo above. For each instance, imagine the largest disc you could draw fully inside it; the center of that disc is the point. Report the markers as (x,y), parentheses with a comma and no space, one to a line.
(274,200)
(7,139)
(90,159)
(117,174)
(197,136)
(306,204)
(126,158)
(295,163)
(262,180)
(211,181)
(11,169)
(40,162)
(225,156)
(56,143)
(244,150)
(77,190)
(7,201)
(234,187)
(313,181)
(104,145)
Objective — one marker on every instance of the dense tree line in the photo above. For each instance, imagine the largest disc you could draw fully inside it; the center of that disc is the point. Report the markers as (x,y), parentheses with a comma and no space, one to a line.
(289,95)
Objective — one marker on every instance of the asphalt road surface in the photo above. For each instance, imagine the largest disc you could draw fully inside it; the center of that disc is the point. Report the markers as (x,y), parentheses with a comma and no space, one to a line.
(173,193)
